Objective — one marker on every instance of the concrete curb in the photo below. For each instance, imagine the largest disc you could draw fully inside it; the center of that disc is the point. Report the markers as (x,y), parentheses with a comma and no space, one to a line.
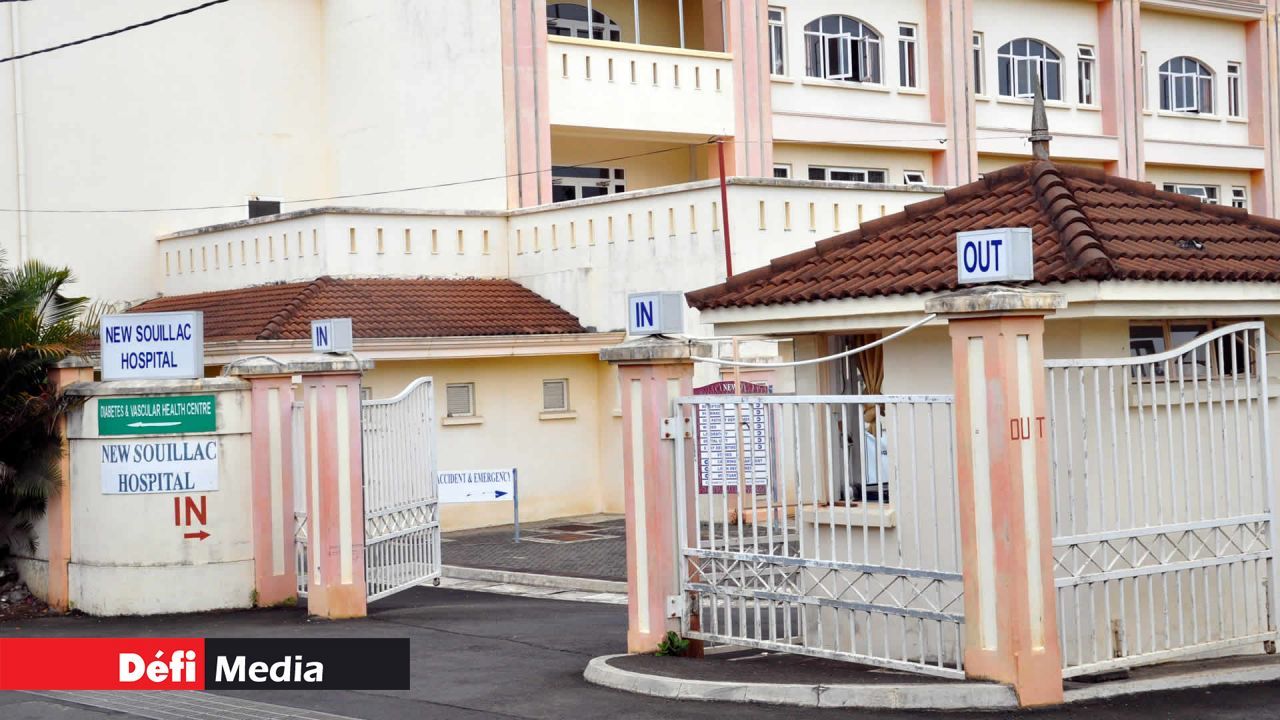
(1179,681)
(915,696)
(559,582)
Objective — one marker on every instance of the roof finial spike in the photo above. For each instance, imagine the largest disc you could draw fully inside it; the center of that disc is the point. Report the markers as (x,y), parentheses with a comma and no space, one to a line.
(1040,136)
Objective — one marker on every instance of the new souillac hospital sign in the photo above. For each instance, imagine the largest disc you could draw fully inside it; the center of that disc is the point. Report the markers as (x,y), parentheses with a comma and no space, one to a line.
(152,345)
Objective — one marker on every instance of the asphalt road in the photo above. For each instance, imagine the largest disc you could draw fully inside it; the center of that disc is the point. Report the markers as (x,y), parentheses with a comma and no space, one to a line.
(496,656)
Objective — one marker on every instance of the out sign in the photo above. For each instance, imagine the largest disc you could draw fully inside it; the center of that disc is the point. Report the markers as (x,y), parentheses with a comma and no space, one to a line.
(991,256)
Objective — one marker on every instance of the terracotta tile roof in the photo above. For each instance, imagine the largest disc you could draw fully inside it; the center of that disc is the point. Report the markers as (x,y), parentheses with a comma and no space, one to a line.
(378,308)
(1086,225)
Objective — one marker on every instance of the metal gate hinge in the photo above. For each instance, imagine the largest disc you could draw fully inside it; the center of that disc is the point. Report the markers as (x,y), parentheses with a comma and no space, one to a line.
(675,606)
(672,425)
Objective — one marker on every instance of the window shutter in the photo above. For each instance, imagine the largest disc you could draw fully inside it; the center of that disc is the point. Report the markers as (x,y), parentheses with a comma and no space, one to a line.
(555,394)
(460,400)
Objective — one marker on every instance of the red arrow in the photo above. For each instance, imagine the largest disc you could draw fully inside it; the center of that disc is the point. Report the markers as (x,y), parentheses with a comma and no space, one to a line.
(197,535)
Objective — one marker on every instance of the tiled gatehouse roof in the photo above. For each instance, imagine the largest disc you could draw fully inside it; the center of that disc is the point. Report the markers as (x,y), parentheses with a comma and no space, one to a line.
(1086,225)
(378,308)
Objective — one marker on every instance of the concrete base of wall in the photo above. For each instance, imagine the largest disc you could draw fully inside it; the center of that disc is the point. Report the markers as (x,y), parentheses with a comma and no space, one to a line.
(133,590)
(35,573)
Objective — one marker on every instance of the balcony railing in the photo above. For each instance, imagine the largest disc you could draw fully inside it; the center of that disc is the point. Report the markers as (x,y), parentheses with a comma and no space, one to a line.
(640,87)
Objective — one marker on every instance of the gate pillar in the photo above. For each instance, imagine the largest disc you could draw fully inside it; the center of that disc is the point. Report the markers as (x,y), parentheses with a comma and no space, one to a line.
(652,373)
(58,511)
(275,567)
(1002,458)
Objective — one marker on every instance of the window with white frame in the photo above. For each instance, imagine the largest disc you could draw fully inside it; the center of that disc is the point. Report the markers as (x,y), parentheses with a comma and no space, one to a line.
(1206,193)
(838,47)
(460,399)
(1186,85)
(908,58)
(979,65)
(778,41)
(577,182)
(913,177)
(555,395)
(1020,60)
(1086,72)
(782,170)
(1240,198)
(1152,337)
(845,174)
(1235,90)
(570,20)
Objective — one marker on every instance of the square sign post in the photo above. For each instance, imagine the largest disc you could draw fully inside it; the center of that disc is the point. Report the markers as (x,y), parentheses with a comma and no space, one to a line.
(655,313)
(157,346)
(331,336)
(993,256)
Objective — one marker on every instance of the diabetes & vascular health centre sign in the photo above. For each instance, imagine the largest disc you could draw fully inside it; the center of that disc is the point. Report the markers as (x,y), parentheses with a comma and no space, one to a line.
(152,345)
(157,415)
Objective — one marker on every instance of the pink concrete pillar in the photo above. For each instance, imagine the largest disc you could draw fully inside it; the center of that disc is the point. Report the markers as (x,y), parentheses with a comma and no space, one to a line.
(653,373)
(57,539)
(1260,103)
(948,59)
(1120,83)
(748,41)
(526,102)
(1002,463)
(273,524)
(335,496)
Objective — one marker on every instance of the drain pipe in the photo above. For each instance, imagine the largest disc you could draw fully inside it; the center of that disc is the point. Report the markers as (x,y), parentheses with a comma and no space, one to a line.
(724,214)
(19,134)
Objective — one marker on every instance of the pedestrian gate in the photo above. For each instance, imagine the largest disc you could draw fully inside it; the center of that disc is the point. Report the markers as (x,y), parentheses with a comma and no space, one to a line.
(402,521)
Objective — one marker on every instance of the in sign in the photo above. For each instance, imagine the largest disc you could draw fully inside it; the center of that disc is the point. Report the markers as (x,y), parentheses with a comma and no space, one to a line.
(331,336)
(655,313)
(186,512)
(998,255)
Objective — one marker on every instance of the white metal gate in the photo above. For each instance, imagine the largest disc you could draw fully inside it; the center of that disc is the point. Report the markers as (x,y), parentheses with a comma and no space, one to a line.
(776,553)
(402,528)
(1163,502)
(402,520)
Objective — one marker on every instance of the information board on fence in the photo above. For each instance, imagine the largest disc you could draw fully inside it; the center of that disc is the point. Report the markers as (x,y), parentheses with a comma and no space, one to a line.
(136,467)
(157,415)
(468,486)
(729,431)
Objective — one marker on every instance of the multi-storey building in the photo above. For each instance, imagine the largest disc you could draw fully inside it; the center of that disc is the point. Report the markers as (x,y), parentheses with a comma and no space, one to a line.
(572,146)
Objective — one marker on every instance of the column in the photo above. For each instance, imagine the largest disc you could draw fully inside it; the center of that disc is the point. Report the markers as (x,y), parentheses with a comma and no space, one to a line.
(57,538)
(1120,83)
(653,373)
(335,500)
(275,566)
(948,59)
(748,41)
(526,102)
(1262,106)
(1002,464)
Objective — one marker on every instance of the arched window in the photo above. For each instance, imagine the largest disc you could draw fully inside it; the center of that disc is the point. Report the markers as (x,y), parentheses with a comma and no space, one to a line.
(1017,58)
(570,20)
(1186,85)
(838,47)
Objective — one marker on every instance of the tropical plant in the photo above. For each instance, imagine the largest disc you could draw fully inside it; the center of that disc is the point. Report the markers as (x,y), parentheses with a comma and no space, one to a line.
(39,326)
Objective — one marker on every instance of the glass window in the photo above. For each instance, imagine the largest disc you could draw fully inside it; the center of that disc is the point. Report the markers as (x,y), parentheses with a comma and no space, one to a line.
(1235,91)
(1086,69)
(913,177)
(1186,85)
(570,20)
(777,41)
(1019,59)
(908,61)
(573,182)
(1206,193)
(1152,337)
(979,69)
(838,47)
(1240,198)
(781,170)
(842,174)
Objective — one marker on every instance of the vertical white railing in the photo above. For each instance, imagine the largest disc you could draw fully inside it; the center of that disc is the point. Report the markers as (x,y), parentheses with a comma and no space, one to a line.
(1163,502)
(808,529)
(402,529)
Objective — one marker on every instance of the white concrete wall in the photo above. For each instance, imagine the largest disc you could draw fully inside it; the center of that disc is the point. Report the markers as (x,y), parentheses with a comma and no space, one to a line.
(127,555)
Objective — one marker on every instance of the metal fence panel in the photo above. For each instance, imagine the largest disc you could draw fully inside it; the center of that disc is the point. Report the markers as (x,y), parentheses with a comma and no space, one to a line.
(823,525)
(1162,502)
